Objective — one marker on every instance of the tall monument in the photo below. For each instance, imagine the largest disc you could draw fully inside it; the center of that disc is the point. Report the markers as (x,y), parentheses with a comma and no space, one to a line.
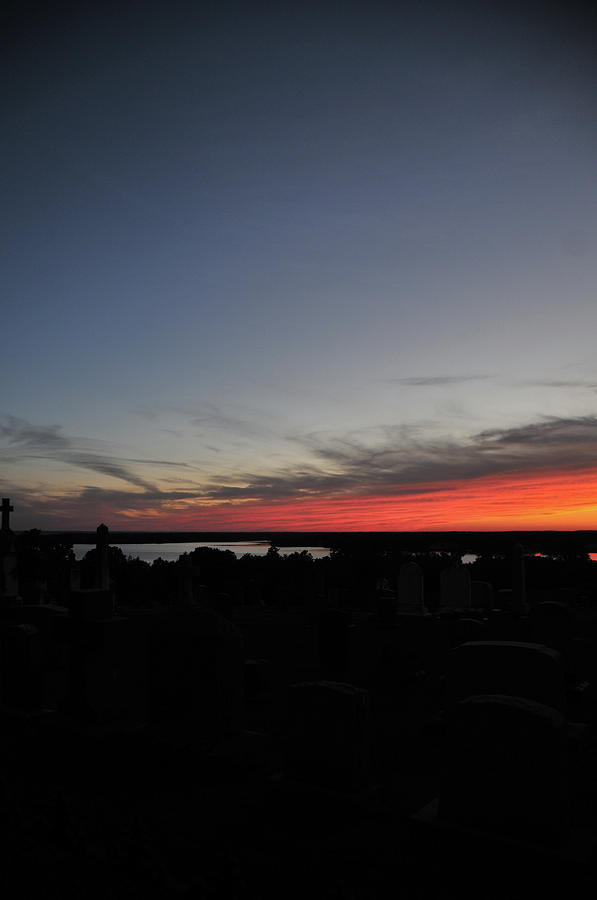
(9,581)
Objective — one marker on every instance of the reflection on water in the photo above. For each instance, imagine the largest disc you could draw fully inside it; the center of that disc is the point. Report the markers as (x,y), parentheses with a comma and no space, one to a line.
(149,552)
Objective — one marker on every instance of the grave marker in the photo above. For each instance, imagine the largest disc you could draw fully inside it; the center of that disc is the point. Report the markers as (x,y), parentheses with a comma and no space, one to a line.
(519,595)
(410,590)
(511,668)
(333,642)
(505,769)
(328,736)
(551,624)
(482,595)
(9,582)
(20,666)
(455,583)
(6,511)
(102,581)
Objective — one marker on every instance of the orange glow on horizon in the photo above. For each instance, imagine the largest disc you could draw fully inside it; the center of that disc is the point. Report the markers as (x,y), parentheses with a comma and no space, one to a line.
(553,500)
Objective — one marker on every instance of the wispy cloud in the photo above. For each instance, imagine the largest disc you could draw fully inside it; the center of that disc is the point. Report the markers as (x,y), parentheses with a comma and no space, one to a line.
(209,417)
(399,464)
(579,383)
(390,461)
(20,440)
(20,434)
(437,380)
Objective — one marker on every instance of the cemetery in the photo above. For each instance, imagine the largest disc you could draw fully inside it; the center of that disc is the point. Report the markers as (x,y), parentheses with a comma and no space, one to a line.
(365,725)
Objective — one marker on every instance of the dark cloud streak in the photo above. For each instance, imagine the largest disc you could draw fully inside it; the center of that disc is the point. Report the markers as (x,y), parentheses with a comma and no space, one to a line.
(396,461)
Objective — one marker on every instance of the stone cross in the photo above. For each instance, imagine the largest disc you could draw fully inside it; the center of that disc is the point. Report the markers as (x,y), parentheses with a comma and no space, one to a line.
(6,511)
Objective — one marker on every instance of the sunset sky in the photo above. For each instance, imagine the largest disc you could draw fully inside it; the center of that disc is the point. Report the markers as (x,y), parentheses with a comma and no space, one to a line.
(299,266)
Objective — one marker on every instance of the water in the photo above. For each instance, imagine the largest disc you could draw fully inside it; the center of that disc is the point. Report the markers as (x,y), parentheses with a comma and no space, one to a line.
(468,558)
(149,552)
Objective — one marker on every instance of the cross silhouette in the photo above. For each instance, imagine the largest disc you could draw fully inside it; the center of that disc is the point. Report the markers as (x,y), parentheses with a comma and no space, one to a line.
(6,511)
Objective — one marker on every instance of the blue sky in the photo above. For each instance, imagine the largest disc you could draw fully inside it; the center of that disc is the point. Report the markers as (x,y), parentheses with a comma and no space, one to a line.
(237,239)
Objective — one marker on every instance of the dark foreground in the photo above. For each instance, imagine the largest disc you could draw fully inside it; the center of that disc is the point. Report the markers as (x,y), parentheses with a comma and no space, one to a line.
(294,744)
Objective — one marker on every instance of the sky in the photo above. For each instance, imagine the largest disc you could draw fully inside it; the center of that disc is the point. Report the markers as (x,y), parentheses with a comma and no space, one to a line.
(299,267)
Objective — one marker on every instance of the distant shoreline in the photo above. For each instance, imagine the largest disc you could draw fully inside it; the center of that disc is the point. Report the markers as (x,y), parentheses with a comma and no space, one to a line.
(465,541)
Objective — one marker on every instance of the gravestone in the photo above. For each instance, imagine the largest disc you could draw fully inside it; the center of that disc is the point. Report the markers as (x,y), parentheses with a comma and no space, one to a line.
(386,607)
(98,690)
(504,769)
(186,574)
(410,590)
(526,670)
(9,582)
(254,593)
(105,689)
(551,624)
(195,673)
(102,578)
(333,642)
(505,600)
(503,625)
(257,677)
(21,685)
(75,577)
(463,630)
(39,591)
(6,511)
(482,595)
(327,743)
(91,604)
(519,595)
(455,587)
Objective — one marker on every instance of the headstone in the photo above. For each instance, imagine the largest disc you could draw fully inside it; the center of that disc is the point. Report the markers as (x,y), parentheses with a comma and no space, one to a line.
(256,678)
(551,624)
(103,558)
(91,604)
(519,595)
(75,577)
(503,625)
(328,736)
(9,582)
(526,670)
(396,669)
(6,511)
(505,600)
(39,592)
(106,680)
(504,769)
(186,573)
(21,683)
(318,588)
(386,605)
(455,583)
(410,590)
(464,630)
(332,595)
(52,622)
(224,604)
(482,595)
(195,673)
(333,642)
(103,686)
(254,593)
